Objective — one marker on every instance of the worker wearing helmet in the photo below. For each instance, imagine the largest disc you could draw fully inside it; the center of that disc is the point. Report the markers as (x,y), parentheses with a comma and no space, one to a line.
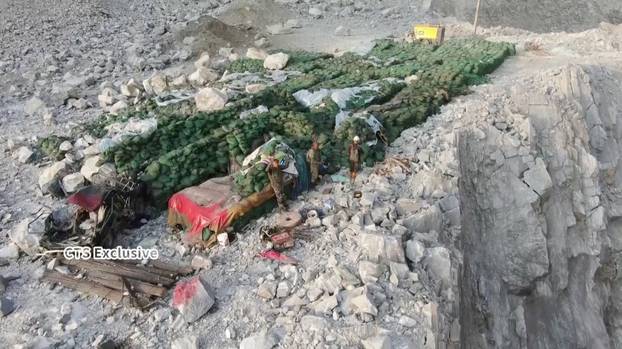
(354,155)
(276,182)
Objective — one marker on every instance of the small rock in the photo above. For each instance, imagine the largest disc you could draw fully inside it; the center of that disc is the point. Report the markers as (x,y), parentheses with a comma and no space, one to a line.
(7,306)
(48,180)
(73,182)
(261,340)
(254,88)
(315,12)
(313,323)
(407,321)
(189,342)
(314,294)
(325,305)
(131,89)
(118,107)
(65,146)
(90,167)
(276,61)
(370,272)
(10,251)
(48,118)
(21,236)
(377,342)
(267,290)
(24,154)
(106,97)
(256,53)
(192,298)
(203,61)
(179,82)
(414,250)
(210,99)
(158,83)
(438,264)
(202,76)
(201,262)
(262,42)
(294,301)
(34,105)
(282,289)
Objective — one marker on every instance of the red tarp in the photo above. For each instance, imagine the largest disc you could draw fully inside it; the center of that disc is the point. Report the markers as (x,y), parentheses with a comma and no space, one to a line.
(89,198)
(213,205)
(214,217)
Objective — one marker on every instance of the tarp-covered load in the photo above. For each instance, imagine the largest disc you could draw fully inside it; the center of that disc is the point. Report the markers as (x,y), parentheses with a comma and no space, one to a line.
(209,208)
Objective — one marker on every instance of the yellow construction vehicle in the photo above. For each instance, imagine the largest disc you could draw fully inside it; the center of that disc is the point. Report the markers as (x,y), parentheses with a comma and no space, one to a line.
(432,33)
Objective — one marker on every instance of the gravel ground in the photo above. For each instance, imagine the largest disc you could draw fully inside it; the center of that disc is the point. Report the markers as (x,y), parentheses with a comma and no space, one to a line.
(62,54)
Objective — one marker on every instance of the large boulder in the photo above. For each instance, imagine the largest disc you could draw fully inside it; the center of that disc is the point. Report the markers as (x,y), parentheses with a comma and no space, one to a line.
(276,61)
(210,99)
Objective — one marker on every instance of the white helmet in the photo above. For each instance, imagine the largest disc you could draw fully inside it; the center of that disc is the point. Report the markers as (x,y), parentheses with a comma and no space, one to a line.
(356,139)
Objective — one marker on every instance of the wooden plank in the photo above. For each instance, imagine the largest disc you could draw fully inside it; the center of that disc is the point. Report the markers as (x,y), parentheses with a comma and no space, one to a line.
(84,286)
(120,269)
(166,267)
(116,282)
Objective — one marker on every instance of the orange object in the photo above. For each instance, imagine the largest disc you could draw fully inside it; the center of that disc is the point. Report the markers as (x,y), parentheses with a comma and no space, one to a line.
(212,205)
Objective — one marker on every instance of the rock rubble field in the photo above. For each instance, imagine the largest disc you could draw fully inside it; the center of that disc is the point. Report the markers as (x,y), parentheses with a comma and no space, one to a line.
(492,222)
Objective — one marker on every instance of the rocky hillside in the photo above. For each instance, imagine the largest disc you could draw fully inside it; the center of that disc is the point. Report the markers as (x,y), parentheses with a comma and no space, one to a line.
(541,204)
(535,15)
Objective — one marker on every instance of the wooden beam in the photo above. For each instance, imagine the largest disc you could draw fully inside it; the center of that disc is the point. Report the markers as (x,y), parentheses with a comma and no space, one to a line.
(115,282)
(164,268)
(84,286)
(121,269)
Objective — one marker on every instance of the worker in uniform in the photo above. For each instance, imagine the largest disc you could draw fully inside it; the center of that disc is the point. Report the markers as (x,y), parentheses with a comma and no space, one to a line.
(276,182)
(314,160)
(354,155)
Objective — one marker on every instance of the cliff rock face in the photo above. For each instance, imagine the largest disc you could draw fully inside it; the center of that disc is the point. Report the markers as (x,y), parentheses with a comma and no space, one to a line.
(534,15)
(541,201)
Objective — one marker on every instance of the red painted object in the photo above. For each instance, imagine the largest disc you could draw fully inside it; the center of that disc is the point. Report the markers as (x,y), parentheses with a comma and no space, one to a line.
(89,198)
(277,256)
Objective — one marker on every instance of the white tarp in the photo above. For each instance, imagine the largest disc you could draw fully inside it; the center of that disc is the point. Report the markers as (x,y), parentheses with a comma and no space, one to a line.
(340,96)
(260,109)
(118,131)
(291,166)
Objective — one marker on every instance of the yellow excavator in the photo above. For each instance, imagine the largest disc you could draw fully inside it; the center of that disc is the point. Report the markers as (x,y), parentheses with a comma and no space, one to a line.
(434,34)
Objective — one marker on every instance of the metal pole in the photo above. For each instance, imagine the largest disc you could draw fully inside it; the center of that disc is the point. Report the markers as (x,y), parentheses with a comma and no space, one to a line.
(476,18)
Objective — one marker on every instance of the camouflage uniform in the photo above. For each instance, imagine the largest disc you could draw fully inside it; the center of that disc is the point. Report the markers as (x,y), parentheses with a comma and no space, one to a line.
(276,181)
(313,158)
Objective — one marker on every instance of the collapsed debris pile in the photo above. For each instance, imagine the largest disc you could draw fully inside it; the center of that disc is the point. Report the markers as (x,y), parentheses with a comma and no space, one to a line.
(398,84)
